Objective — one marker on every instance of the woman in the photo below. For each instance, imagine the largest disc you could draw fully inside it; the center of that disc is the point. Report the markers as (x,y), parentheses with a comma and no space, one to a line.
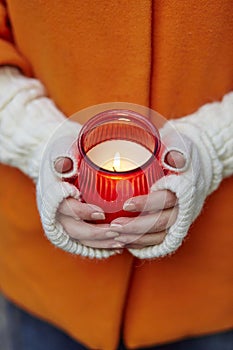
(171,56)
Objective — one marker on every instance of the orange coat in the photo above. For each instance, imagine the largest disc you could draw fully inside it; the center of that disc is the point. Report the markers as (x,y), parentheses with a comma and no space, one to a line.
(173,56)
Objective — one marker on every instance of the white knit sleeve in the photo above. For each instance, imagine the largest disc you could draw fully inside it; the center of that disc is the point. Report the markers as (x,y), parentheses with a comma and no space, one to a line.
(205,138)
(211,129)
(27,120)
(33,132)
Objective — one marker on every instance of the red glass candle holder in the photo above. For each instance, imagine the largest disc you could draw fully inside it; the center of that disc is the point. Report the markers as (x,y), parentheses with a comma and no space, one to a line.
(118,159)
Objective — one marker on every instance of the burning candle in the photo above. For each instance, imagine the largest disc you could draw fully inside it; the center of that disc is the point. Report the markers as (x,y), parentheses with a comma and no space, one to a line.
(118,159)
(119,155)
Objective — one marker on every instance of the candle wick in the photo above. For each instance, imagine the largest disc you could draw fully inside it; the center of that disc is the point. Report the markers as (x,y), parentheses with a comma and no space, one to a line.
(114,169)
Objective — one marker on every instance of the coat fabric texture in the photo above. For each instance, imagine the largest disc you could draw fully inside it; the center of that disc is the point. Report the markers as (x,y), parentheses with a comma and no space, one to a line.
(172,56)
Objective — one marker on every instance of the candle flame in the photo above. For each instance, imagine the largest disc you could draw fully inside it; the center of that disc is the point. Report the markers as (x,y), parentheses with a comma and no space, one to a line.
(117,162)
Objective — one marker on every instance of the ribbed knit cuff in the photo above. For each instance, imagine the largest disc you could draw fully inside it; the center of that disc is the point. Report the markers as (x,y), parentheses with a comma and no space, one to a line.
(188,184)
(48,204)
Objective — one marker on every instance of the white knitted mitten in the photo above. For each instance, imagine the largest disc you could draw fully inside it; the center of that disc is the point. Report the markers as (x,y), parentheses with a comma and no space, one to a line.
(205,138)
(33,133)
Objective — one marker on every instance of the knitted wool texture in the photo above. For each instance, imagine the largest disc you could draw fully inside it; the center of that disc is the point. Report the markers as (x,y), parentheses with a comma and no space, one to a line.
(209,159)
(27,144)
(33,134)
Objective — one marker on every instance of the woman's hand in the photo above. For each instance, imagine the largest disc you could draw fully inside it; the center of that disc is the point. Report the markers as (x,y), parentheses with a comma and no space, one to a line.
(72,215)
(159,212)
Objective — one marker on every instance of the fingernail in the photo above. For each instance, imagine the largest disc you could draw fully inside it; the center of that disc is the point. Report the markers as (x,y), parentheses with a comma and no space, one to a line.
(111,234)
(116,225)
(129,206)
(117,245)
(95,208)
(63,165)
(98,216)
(121,239)
(119,251)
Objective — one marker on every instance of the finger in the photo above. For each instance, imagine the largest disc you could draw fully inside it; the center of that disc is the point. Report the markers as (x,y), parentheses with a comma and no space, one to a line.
(63,165)
(145,223)
(104,244)
(76,209)
(81,230)
(152,202)
(142,241)
(175,159)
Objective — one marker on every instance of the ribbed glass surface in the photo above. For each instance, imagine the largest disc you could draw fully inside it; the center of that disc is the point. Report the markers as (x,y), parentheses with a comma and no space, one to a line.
(110,189)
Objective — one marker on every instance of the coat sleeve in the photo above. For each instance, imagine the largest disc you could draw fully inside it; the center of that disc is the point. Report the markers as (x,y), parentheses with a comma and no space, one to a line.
(9,53)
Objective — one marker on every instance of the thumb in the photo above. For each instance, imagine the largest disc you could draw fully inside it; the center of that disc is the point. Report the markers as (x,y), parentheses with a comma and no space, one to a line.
(176,149)
(63,165)
(175,159)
